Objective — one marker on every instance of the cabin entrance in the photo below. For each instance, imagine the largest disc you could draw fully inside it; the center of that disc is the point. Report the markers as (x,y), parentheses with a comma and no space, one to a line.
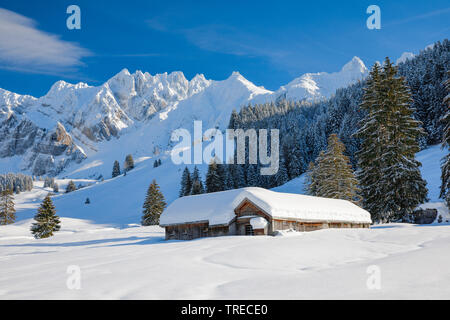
(249,230)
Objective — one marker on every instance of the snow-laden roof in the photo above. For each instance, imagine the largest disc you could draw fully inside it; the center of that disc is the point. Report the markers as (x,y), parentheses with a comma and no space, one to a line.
(258,222)
(218,207)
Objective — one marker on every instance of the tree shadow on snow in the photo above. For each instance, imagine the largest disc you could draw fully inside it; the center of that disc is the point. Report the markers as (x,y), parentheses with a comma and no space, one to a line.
(382,227)
(98,242)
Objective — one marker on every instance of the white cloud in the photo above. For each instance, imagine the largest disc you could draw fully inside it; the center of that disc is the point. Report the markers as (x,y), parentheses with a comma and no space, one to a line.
(24,47)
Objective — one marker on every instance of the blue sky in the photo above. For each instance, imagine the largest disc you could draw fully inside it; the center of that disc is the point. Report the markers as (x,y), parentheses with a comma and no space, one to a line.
(269,42)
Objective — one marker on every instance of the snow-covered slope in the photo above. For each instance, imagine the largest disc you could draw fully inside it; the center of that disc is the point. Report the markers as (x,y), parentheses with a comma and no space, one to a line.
(118,201)
(404,57)
(136,263)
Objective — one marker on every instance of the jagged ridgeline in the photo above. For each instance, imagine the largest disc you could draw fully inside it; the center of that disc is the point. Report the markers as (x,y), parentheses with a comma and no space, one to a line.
(16,182)
(304,127)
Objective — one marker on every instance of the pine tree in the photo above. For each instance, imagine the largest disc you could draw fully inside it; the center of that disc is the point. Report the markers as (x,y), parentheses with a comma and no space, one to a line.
(55,188)
(333,175)
(445,167)
(315,176)
(71,187)
(252,175)
(215,177)
(88,201)
(129,163)
(389,176)
(197,187)
(235,176)
(7,211)
(281,177)
(116,169)
(47,222)
(155,163)
(159,162)
(309,183)
(186,183)
(154,205)
(196,181)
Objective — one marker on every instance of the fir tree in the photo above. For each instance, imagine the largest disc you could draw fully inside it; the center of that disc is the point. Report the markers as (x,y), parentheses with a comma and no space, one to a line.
(197,187)
(252,175)
(154,205)
(445,175)
(308,186)
(129,163)
(88,201)
(159,162)
(281,177)
(215,177)
(186,183)
(47,222)
(55,188)
(7,211)
(235,176)
(314,176)
(197,184)
(389,176)
(71,187)
(333,175)
(116,169)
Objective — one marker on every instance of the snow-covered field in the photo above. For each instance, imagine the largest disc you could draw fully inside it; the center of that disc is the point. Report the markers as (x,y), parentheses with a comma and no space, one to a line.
(136,263)
(120,259)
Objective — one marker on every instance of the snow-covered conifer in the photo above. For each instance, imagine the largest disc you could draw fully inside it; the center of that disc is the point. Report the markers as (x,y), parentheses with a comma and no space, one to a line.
(47,222)
(7,211)
(389,176)
(154,205)
(186,183)
(129,163)
(116,169)
(71,187)
(215,177)
(196,181)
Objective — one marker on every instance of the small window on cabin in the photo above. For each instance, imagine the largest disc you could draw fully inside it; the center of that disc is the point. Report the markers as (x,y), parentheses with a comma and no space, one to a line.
(249,230)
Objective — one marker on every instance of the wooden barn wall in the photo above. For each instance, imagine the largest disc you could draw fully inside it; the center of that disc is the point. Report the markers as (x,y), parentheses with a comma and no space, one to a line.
(279,224)
(196,230)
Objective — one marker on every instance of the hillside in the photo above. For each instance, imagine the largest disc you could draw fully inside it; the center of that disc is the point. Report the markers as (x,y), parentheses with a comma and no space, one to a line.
(118,201)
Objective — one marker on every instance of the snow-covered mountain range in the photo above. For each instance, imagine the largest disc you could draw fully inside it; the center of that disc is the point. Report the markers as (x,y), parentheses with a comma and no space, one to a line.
(321,85)
(72,122)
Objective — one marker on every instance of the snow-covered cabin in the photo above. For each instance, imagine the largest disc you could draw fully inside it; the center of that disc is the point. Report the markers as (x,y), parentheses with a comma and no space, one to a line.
(257,211)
